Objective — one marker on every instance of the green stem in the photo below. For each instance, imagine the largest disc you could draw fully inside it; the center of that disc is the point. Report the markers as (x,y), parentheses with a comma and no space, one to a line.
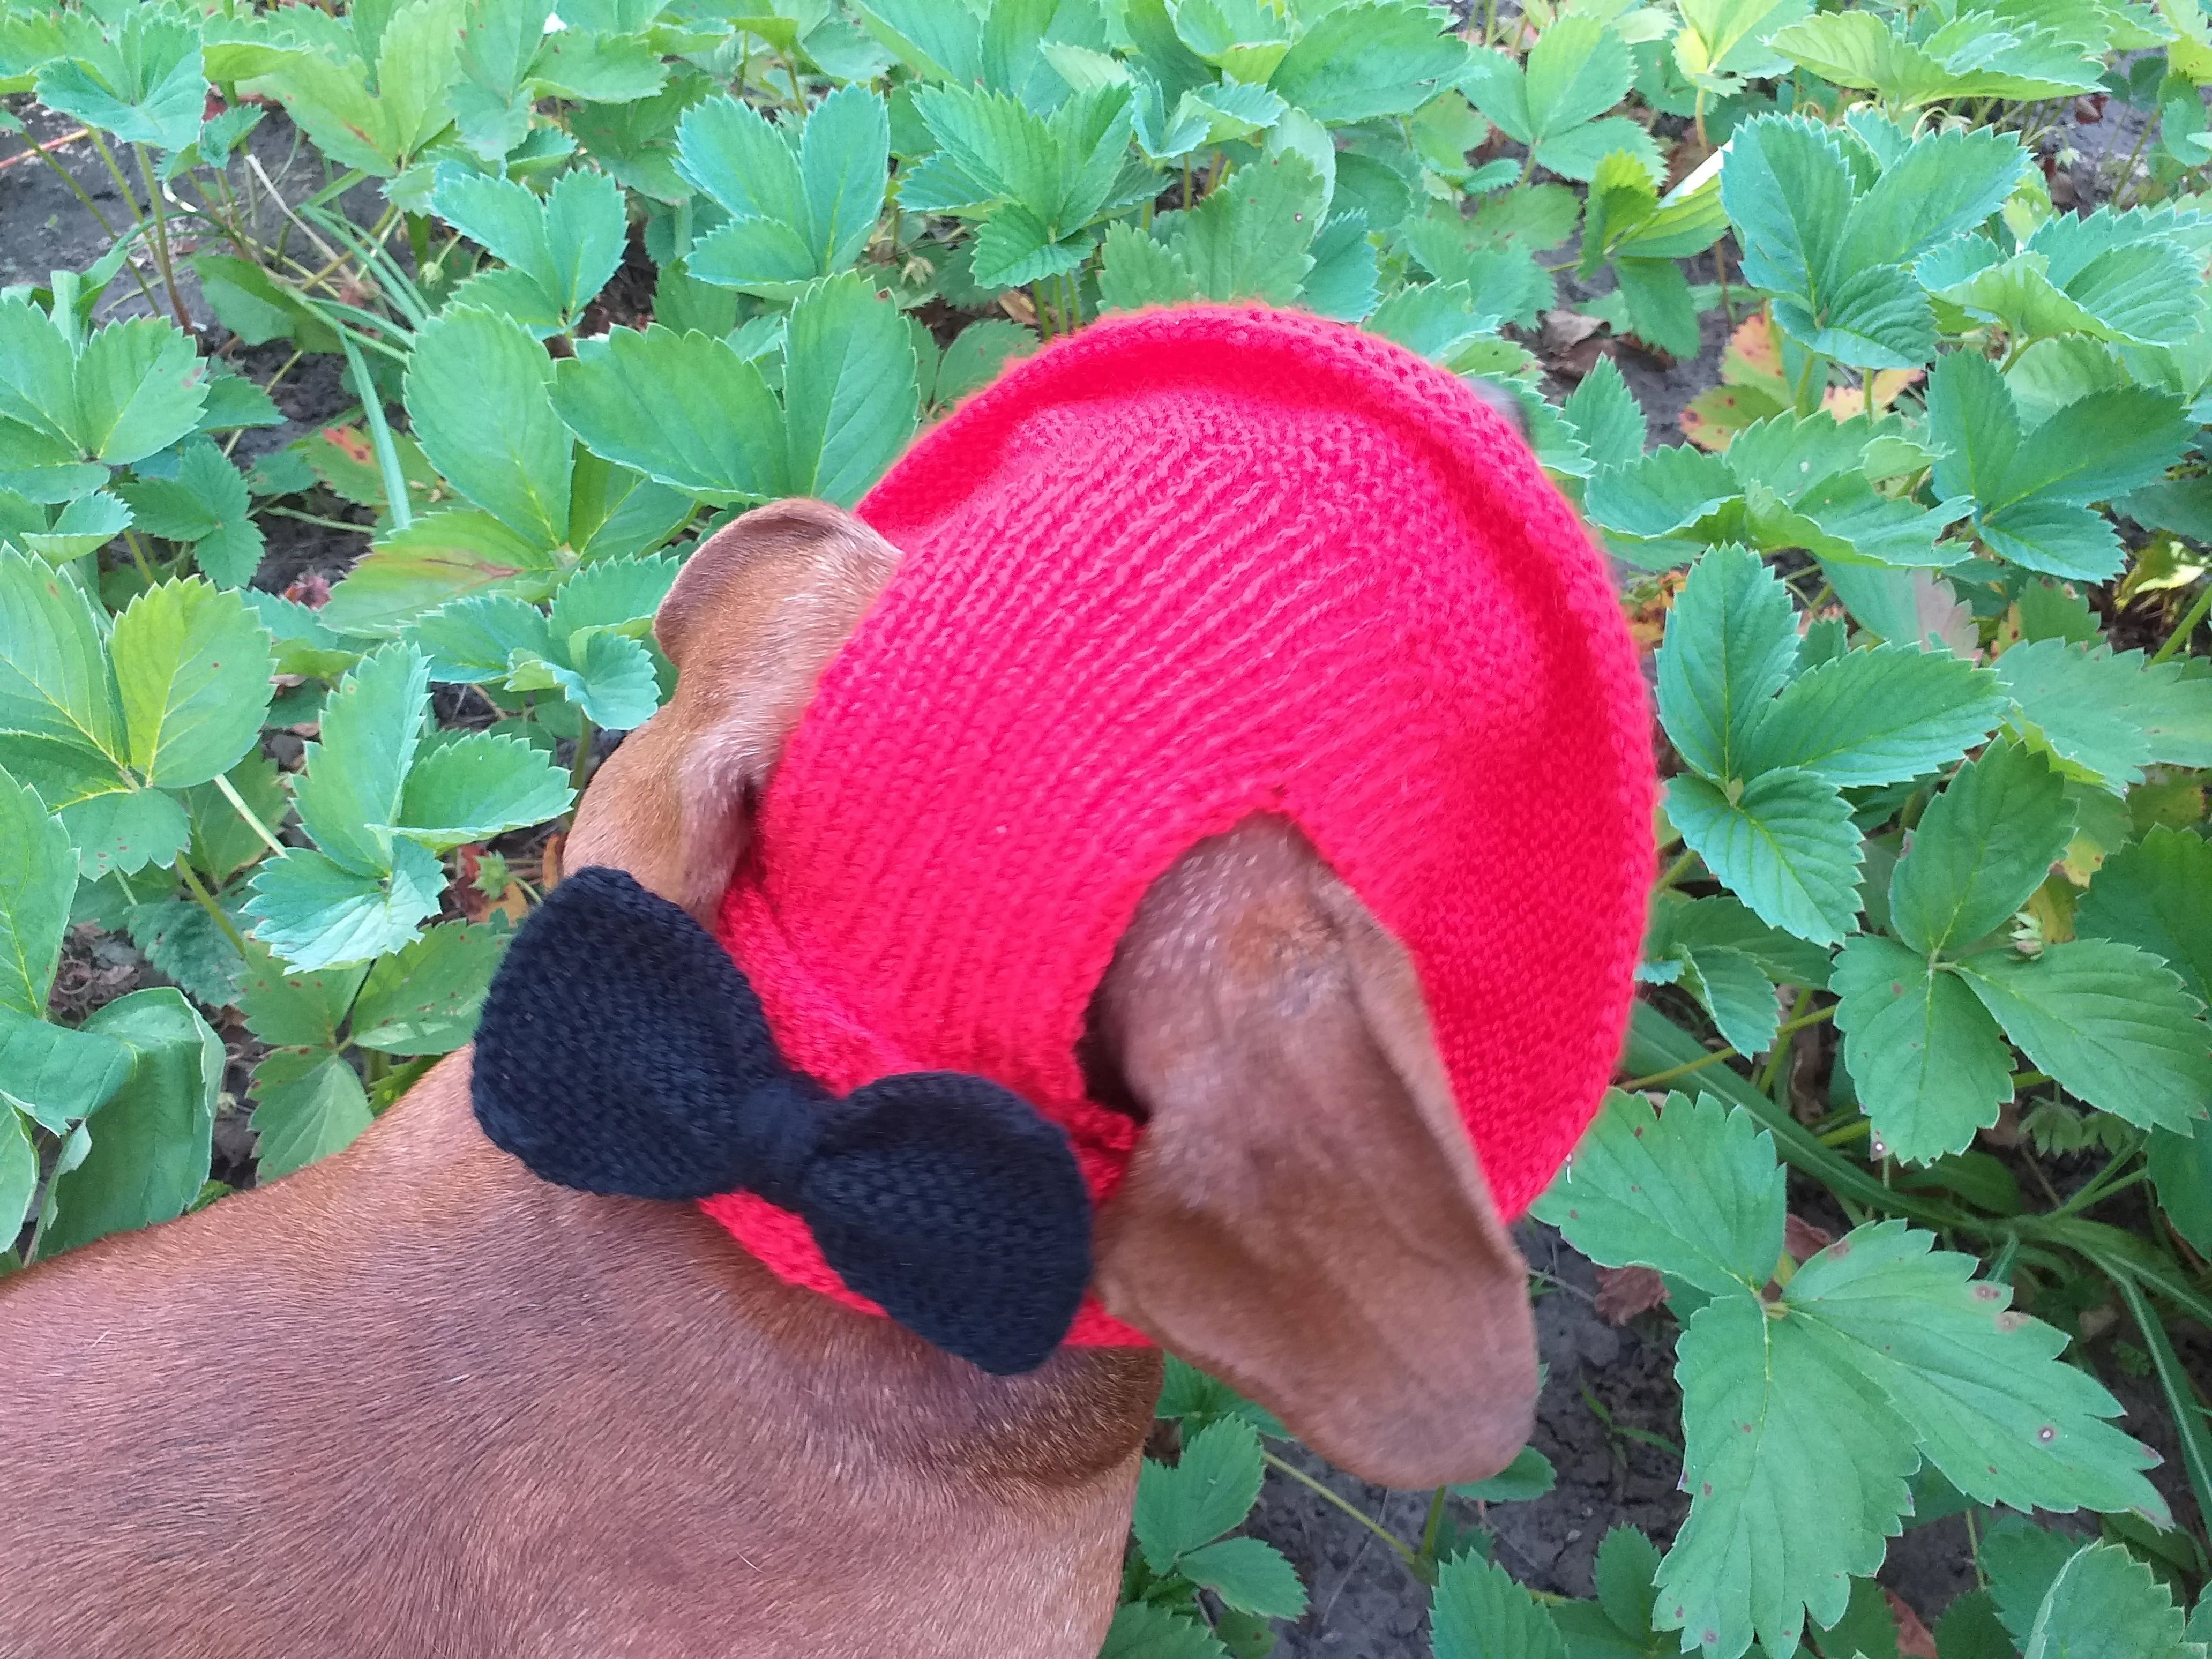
(310,518)
(123,184)
(1780,1056)
(2097,1186)
(162,240)
(2188,1423)
(138,557)
(1349,1508)
(70,178)
(1652,1080)
(1677,870)
(1434,1524)
(580,768)
(207,903)
(1803,398)
(252,819)
(387,457)
(2185,627)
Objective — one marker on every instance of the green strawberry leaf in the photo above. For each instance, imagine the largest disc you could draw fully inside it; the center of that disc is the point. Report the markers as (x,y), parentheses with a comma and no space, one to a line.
(125,828)
(1528,1477)
(618,593)
(424,999)
(1730,644)
(19,1169)
(1626,1197)
(139,387)
(2110,1024)
(53,1073)
(1143,1630)
(2091,709)
(1478,1612)
(315,913)
(38,880)
(797,211)
(2106,1601)
(2157,897)
(371,727)
(611,676)
(142,83)
(308,1104)
(479,397)
(1804,1412)
(475,786)
(559,252)
(476,640)
(2181,1170)
(193,669)
(850,392)
(1248,239)
(1606,417)
(1981,847)
(151,1142)
(295,1010)
(207,503)
(1247,1575)
(1878,716)
(1731,986)
(1210,1489)
(1358,62)
(679,408)
(1785,845)
(1929,1064)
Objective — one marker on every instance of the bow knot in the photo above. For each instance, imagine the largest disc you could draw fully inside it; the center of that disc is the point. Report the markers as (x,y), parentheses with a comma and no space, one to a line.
(621,1051)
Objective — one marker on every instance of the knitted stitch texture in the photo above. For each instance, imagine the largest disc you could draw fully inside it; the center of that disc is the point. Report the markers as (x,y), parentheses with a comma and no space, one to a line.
(1182,567)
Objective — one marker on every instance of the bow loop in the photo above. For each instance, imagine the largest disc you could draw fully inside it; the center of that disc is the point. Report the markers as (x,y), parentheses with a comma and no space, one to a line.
(621,1051)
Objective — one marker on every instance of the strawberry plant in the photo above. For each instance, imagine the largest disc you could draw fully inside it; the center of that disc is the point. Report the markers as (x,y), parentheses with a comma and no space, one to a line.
(1931,947)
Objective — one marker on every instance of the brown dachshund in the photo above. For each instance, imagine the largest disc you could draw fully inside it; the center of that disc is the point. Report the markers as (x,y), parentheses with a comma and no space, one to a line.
(414,1403)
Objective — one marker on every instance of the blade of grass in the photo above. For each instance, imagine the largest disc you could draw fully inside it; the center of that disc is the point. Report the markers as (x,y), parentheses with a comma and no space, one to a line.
(2189,1424)
(380,435)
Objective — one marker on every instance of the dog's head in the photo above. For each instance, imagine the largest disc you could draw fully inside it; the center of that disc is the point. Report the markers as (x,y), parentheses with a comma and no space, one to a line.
(1302,1215)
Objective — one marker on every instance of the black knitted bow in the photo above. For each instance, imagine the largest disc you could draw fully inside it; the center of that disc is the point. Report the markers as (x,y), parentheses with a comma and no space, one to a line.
(621,1051)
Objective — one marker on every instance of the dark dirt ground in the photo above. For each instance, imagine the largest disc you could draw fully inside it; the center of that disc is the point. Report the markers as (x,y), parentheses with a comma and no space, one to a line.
(1364,1605)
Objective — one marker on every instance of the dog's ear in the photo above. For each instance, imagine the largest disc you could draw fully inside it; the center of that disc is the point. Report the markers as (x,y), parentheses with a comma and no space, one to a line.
(752,620)
(1303,1216)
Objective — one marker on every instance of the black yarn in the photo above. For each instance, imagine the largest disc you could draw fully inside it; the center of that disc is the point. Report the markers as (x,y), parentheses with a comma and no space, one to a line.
(621,1051)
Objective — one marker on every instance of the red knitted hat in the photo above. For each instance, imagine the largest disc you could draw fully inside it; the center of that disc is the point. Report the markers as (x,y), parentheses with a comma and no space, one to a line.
(1184,567)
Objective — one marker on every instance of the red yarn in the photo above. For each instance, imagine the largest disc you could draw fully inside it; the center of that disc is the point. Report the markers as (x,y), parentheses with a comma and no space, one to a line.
(1184,567)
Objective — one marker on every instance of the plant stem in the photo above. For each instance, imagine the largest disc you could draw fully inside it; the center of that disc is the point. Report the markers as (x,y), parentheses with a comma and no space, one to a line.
(138,557)
(123,184)
(1433,1524)
(1348,1507)
(328,524)
(2189,1424)
(1780,1055)
(1636,1085)
(580,768)
(2096,1186)
(1676,871)
(2185,627)
(162,240)
(252,819)
(207,903)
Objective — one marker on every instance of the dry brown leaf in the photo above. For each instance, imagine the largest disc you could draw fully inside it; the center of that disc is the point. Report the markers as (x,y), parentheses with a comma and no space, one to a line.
(1563,329)
(1913,1641)
(1625,1292)
(1803,1240)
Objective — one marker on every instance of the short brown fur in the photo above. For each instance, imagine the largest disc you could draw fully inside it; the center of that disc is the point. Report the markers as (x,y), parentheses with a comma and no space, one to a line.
(412,1401)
